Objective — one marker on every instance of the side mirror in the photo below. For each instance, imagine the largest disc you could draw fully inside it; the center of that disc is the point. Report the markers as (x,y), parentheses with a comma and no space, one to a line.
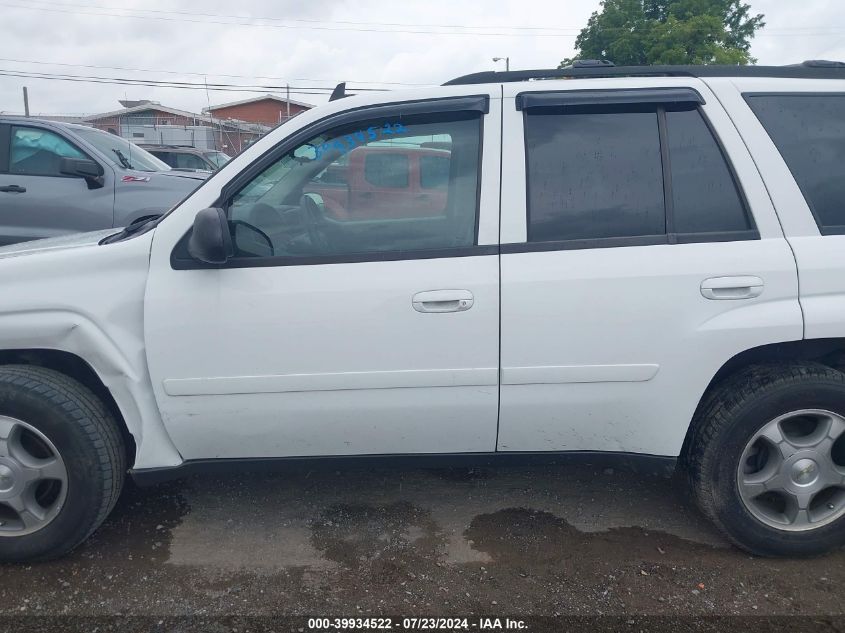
(250,240)
(85,168)
(211,241)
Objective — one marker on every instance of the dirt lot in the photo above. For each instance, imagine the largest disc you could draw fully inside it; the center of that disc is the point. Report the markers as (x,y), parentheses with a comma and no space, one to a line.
(573,541)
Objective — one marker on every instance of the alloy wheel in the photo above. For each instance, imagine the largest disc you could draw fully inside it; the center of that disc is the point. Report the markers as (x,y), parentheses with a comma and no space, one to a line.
(33,479)
(792,472)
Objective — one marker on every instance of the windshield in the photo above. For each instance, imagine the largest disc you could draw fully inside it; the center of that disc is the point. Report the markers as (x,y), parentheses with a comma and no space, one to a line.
(121,152)
(218,158)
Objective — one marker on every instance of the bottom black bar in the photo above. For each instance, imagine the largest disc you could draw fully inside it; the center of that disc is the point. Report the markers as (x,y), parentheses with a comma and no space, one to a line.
(326,624)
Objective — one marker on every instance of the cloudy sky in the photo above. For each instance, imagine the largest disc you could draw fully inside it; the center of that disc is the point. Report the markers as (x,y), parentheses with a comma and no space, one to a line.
(380,43)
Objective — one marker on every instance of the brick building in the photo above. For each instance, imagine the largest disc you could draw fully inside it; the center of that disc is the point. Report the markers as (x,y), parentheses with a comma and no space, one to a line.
(266,110)
(149,122)
(143,112)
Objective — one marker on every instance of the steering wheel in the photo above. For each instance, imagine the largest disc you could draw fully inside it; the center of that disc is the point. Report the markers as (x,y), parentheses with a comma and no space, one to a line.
(313,214)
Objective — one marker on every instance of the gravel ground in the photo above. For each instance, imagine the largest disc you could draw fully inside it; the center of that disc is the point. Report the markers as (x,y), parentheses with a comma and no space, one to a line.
(562,540)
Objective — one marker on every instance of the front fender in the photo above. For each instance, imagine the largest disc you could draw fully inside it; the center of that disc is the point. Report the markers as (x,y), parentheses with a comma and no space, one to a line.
(88,300)
(126,378)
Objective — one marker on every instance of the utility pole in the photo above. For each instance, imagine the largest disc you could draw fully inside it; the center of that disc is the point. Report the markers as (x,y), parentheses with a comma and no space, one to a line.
(25,101)
(287,87)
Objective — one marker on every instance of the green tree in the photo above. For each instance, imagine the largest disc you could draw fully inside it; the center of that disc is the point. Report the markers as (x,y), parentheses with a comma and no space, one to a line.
(642,32)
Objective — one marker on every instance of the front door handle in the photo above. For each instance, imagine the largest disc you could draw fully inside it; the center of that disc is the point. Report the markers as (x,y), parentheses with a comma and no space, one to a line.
(442,301)
(732,288)
(13,189)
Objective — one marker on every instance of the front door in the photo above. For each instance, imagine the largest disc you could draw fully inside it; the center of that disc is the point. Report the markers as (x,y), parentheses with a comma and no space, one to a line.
(327,334)
(36,199)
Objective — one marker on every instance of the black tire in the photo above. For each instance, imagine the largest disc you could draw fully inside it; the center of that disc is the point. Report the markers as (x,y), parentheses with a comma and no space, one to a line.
(727,419)
(89,442)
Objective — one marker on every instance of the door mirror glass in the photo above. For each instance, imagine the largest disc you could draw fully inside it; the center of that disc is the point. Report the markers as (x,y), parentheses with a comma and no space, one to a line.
(211,241)
(250,241)
(85,168)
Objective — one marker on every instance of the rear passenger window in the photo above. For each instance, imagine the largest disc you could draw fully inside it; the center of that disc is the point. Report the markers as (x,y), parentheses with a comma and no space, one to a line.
(604,173)
(594,175)
(705,195)
(809,132)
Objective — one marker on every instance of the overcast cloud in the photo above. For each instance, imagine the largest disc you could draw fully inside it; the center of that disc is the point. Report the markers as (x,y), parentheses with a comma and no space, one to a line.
(78,33)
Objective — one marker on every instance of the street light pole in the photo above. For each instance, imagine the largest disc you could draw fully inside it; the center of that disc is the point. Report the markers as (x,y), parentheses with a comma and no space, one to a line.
(507,61)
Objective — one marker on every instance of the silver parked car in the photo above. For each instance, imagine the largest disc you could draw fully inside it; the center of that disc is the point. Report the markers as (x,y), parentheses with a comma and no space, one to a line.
(58,178)
(187,157)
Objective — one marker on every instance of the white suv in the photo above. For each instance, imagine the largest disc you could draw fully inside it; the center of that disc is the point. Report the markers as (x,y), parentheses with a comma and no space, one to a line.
(638,262)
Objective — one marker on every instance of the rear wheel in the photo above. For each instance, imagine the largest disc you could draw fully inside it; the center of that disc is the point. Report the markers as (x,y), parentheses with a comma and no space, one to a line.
(767,459)
(788,476)
(62,463)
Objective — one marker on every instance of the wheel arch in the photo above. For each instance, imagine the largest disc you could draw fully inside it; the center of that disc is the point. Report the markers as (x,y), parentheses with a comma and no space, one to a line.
(80,370)
(826,351)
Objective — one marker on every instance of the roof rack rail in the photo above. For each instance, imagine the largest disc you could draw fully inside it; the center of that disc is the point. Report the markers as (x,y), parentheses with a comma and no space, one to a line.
(822,63)
(813,69)
(591,63)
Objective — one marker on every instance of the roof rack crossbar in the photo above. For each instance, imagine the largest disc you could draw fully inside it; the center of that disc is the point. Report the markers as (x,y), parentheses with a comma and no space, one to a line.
(816,69)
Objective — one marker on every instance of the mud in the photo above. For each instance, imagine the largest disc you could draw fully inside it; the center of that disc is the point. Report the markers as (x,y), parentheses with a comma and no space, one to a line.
(569,541)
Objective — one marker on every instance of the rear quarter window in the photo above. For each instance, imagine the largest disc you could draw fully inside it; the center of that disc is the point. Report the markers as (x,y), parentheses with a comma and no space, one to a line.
(809,132)
(705,195)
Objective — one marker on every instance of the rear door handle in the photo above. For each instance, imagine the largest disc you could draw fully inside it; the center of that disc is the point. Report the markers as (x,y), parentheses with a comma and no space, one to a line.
(443,301)
(13,189)
(732,288)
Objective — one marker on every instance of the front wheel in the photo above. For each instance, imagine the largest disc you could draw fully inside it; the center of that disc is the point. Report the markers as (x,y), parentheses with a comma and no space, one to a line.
(767,459)
(62,463)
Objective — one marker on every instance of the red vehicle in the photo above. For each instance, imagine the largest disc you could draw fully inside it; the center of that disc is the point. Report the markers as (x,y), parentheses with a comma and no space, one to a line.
(385,182)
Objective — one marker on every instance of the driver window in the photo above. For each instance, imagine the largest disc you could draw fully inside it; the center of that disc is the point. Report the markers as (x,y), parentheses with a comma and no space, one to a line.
(388,185)
(37,152)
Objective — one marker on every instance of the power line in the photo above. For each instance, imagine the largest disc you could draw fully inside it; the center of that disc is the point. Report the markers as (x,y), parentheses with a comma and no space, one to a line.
(282,26)
(4,73)
(186,83)
(200,74)
(125,81)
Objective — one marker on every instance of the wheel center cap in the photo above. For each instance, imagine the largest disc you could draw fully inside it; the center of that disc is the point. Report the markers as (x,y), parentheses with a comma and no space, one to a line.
(7,478)
(804,472)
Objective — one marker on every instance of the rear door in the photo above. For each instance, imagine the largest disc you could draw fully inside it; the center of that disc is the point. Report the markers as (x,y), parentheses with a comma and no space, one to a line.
(640,252)
(36,200)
